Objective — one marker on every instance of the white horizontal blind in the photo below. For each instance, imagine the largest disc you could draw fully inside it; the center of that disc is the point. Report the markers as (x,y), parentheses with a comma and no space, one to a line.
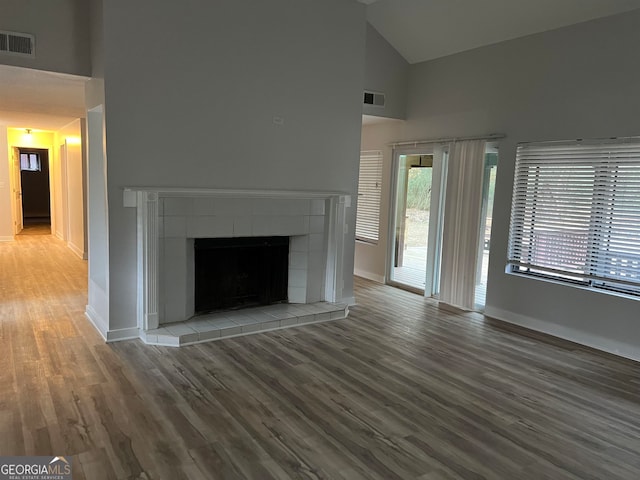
(576,213)
(369,195)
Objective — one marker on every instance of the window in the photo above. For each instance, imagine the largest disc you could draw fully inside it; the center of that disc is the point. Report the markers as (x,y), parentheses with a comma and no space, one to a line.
(369,194)
(576,213)
(30,162)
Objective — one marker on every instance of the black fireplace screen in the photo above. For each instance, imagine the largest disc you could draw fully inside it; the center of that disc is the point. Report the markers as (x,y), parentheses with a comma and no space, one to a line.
(240,272)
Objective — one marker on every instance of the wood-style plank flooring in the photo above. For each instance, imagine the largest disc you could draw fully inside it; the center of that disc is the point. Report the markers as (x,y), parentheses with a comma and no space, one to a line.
(399,390)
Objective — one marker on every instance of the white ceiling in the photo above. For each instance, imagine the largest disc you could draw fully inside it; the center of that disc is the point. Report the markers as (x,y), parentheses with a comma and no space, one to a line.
(426,29)
(39,100)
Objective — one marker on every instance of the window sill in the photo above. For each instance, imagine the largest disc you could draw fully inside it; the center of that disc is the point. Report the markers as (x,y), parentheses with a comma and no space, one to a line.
(586,288)
(363,242)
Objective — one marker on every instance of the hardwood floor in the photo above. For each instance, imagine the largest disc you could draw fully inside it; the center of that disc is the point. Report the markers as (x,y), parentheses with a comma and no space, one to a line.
(399,390)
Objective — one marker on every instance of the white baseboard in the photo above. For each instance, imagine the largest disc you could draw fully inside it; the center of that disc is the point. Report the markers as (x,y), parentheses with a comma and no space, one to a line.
(7,238)
(60,236)
(123,334)
(98,322)
(608,345)
(369,276)
(110,335)
(78,251)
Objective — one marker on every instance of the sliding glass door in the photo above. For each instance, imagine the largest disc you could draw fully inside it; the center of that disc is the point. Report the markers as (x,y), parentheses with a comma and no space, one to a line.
(417,219)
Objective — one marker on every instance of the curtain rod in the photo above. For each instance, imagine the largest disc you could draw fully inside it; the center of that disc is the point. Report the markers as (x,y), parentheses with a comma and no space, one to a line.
(415,143)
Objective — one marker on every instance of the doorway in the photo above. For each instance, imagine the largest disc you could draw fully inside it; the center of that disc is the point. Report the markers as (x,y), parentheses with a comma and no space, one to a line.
(34,191)
(417,220)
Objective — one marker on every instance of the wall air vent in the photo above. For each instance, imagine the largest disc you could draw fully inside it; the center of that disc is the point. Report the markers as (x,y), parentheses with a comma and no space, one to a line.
(373,98)
(22,44)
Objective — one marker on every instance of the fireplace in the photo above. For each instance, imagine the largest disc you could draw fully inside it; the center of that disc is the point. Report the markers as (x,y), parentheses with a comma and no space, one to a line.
(172,221)
(232,273)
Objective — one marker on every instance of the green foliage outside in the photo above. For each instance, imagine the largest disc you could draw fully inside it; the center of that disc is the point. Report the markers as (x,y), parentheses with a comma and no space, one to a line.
(419,185)
(419,188)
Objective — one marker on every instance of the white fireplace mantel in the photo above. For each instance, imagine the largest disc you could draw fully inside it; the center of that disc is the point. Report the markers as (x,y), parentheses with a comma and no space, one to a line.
(169,215)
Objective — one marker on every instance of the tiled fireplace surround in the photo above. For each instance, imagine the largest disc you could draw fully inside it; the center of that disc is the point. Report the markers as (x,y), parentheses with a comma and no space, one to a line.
(169,219)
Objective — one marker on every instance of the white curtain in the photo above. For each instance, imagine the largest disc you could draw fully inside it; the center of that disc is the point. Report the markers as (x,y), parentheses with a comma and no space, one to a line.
(461,232)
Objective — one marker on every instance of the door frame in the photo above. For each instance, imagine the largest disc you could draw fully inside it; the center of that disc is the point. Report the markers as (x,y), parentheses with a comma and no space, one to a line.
(42,150)
(434,243)
(16,191)
(15,183)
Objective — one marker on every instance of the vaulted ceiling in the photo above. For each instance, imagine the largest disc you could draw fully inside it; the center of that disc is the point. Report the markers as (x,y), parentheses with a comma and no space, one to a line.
(426,29)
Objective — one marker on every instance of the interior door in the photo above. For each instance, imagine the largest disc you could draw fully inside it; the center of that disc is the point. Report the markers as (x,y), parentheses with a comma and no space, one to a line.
(17,191)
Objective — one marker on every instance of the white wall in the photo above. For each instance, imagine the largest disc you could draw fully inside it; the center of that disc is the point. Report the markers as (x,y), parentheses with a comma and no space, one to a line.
(69,139)
(370,259)
(96,170)
(6,222)
(192,89)
(75,194)
(576,82)
(96,38)
(385,72)
(97,222)
(61,34)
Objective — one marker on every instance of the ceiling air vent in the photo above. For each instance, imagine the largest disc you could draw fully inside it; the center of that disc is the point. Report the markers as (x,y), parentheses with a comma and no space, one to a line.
(373,98)
(17,43)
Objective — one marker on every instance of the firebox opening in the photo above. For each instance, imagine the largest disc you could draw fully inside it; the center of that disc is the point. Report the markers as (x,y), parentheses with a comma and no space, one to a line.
(232,273)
